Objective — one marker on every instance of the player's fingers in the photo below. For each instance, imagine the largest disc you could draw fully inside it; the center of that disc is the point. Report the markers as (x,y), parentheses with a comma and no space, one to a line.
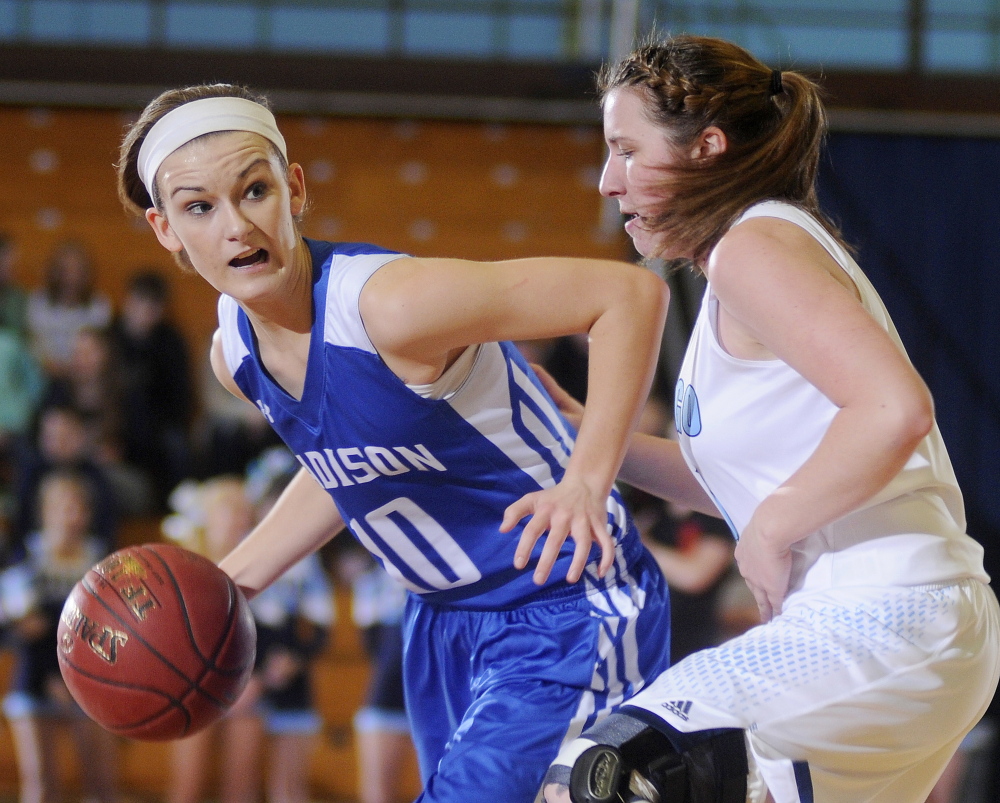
(774,604)
(558,531)
(607,545)
(581,551)
(517,511)
(529,535)
(764,606)
(760,597)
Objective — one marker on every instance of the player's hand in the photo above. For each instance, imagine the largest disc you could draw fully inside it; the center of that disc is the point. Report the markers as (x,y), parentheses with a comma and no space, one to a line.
(765,568)
(569,509)
(568,406)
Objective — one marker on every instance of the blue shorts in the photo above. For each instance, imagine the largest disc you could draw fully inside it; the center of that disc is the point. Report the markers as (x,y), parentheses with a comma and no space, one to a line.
(492,695)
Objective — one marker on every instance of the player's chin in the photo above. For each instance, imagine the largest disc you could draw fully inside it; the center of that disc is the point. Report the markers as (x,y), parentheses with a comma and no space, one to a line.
(555,793)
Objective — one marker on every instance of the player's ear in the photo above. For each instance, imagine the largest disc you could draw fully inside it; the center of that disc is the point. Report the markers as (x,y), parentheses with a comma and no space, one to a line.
(296,188)
(163,231)
(710,142)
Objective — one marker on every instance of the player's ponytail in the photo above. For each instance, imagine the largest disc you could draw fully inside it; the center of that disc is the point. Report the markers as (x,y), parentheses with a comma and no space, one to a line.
(773,120)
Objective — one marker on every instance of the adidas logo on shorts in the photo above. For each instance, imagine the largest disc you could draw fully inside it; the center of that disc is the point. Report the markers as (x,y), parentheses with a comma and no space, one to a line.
(679,708)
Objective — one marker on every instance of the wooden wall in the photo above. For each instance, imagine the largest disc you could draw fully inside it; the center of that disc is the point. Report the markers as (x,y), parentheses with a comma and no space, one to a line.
(428,188)
(469,190)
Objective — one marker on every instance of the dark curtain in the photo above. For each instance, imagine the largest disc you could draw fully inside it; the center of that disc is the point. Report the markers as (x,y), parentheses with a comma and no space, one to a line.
(924,216)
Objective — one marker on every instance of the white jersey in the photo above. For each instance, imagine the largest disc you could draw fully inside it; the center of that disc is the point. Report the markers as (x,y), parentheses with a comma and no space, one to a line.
(887,649)
(733,416)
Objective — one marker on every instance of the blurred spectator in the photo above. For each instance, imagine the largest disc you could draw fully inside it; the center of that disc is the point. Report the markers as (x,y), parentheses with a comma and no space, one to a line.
(61,442)
(695,553)
(294,615)
(967,778)
(32,594)
(158,389)
(21,387)
(13,297)
(21,380)
(216,515)
(381,727)
(94,386)
(230,434)
(67,302)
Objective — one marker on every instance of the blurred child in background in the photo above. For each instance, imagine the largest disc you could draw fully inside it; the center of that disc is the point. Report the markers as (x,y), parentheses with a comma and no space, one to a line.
(216,515)
(381,727)
(294,616)
(68,301)
(32,593)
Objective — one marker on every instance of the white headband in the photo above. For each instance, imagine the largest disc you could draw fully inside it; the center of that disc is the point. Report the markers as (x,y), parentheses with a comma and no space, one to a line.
(205,116)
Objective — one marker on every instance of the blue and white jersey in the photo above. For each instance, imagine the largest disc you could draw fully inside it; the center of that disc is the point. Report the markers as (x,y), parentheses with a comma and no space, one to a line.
(422,482)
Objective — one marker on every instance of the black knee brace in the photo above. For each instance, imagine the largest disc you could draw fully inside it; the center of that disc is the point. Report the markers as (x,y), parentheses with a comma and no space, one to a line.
(623,759)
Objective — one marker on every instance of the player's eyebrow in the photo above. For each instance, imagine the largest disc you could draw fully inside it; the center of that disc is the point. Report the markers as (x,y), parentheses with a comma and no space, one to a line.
(241,175)
(618,139)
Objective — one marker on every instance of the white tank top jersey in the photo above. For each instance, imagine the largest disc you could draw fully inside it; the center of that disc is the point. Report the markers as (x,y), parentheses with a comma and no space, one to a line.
(745,426)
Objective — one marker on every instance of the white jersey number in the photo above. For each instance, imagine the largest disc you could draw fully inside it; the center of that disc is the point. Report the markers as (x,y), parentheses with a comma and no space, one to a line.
(413,550)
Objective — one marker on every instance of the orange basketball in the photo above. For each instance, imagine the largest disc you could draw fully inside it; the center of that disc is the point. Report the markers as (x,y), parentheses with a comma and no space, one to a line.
(156,642)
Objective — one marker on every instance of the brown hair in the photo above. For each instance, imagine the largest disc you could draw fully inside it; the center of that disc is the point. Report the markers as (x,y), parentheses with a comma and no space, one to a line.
(774,124)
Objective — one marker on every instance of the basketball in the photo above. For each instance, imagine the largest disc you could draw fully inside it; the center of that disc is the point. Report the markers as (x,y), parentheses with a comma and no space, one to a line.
(156,642)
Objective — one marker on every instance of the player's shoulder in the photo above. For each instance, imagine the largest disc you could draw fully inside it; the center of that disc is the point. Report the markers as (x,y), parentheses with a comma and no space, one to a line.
(342,256)
(759,244)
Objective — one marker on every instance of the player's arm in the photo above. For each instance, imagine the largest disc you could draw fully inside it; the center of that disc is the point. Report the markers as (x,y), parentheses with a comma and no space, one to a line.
(620,306)
(693,570)
(780,288)
(301,521)
(652,463)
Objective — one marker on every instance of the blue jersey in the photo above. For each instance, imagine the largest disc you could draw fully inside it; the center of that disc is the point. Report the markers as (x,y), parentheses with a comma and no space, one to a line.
(423,483)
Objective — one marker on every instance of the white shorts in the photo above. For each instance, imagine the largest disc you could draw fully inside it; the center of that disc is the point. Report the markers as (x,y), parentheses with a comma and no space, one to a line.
(851,694)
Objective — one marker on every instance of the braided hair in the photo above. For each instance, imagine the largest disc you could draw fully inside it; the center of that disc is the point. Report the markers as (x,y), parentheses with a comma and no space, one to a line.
(773,120)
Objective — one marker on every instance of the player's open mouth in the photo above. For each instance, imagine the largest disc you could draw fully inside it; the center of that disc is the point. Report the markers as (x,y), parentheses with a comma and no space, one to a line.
(633,220)
(260,255)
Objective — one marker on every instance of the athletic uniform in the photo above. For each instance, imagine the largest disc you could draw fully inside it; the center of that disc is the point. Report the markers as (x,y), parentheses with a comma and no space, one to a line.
(885,653)
(498,671)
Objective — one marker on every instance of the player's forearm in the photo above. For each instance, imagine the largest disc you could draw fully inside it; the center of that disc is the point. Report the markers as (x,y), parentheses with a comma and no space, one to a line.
(693,571)
(656,465)
(860,454)
(624,346)
(302,520)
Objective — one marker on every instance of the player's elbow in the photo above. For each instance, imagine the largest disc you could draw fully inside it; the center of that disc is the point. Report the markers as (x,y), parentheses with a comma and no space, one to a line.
(648,295)
(909,417)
